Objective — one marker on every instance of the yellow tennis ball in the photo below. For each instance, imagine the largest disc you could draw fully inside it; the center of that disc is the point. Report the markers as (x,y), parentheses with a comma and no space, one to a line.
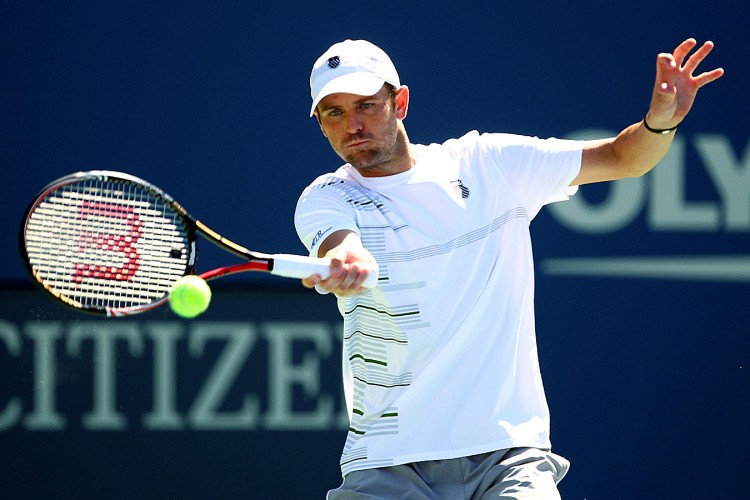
(190,296)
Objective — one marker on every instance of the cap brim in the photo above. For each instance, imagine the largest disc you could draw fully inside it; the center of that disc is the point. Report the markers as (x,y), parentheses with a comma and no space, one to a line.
(354,83)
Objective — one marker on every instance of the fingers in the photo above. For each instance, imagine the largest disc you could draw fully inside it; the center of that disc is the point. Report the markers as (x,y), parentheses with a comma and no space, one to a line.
(676,87)
(675,71)
(348,277)
(311,281)
(344,280)
(694,60)
(708,77)
(350,265)
(689,64)
(683,50)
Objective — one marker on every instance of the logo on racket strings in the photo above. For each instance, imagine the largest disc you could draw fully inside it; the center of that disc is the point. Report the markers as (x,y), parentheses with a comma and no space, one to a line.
(92,245)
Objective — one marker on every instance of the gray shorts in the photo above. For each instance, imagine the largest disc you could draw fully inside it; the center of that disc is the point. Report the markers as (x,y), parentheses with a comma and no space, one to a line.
(518,473)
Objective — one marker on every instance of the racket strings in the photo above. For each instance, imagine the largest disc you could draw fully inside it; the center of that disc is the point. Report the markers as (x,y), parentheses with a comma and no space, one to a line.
(105,244)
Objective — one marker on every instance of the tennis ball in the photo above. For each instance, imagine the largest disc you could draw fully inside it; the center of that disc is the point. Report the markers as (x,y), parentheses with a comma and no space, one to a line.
(190,296)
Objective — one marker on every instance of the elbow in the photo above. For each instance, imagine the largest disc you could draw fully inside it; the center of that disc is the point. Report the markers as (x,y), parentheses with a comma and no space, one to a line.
(628,164)
(636,169)
(634,172)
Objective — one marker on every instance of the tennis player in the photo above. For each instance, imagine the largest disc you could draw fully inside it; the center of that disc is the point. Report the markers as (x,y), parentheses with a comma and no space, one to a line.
(440,366)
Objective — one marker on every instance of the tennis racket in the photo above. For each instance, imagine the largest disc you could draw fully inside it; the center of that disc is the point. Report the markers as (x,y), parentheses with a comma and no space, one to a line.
(113,244)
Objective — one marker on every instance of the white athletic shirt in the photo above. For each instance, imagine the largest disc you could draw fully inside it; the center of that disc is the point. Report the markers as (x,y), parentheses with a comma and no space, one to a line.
(440,359)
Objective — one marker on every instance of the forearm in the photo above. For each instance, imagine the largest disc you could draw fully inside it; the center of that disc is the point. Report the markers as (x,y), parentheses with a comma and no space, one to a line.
(632,153)
(637,149)
(343,238)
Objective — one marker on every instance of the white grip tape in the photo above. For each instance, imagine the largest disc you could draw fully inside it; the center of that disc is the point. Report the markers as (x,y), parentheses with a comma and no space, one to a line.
(298,266)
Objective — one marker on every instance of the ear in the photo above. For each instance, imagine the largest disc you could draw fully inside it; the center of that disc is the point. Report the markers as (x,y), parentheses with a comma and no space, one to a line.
(402,102)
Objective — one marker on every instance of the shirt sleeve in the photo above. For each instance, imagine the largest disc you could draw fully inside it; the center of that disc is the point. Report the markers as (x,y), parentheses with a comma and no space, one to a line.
(539,171)
(321,210)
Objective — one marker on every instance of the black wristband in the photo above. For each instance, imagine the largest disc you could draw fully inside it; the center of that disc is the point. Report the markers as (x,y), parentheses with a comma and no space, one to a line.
(663,131)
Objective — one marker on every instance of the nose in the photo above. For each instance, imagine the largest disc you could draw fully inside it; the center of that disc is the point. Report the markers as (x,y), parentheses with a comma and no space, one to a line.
(353,123)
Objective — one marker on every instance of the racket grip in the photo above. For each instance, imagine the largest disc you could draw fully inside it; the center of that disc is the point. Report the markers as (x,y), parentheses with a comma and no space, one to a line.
(298,266)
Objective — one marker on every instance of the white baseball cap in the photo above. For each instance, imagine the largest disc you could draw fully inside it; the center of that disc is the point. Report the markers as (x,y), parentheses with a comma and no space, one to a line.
(352,67)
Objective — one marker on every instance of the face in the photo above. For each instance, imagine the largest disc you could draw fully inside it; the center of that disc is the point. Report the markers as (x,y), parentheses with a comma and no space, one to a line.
(366,131)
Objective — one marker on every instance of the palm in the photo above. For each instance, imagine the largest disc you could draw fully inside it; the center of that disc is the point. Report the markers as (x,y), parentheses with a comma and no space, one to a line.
(676,85)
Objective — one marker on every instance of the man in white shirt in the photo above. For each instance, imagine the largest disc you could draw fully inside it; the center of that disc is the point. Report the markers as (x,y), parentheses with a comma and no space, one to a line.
(440,366)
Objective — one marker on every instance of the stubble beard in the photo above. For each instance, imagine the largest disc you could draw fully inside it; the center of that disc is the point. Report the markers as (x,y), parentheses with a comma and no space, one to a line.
(378,158)
(367,159)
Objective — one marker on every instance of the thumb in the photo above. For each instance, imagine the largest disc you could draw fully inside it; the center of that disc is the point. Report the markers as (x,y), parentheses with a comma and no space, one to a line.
(664,96)
(337,257)
(666,89)
(665,68)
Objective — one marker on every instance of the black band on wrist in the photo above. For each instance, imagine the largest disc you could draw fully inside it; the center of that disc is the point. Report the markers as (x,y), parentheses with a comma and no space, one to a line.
(663,131)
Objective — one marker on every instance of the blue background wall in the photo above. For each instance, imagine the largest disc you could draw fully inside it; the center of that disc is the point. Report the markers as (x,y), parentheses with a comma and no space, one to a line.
(646,371)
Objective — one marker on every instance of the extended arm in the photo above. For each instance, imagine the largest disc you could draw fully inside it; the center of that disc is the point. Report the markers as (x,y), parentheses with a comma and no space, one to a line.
(636,150)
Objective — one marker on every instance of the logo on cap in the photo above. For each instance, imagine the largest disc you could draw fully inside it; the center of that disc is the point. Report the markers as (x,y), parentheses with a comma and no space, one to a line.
(333,62)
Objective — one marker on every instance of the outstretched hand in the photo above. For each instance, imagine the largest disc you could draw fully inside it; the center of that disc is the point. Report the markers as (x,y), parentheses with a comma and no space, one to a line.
(676,85)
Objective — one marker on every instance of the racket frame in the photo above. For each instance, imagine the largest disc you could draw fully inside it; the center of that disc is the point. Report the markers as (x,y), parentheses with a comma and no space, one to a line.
(254,261)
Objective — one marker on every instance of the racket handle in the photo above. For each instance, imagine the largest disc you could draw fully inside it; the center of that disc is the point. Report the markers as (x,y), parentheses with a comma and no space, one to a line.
(298,266)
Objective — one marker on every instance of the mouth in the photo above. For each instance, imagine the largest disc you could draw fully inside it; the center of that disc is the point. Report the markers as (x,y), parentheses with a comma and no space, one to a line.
(357,141)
